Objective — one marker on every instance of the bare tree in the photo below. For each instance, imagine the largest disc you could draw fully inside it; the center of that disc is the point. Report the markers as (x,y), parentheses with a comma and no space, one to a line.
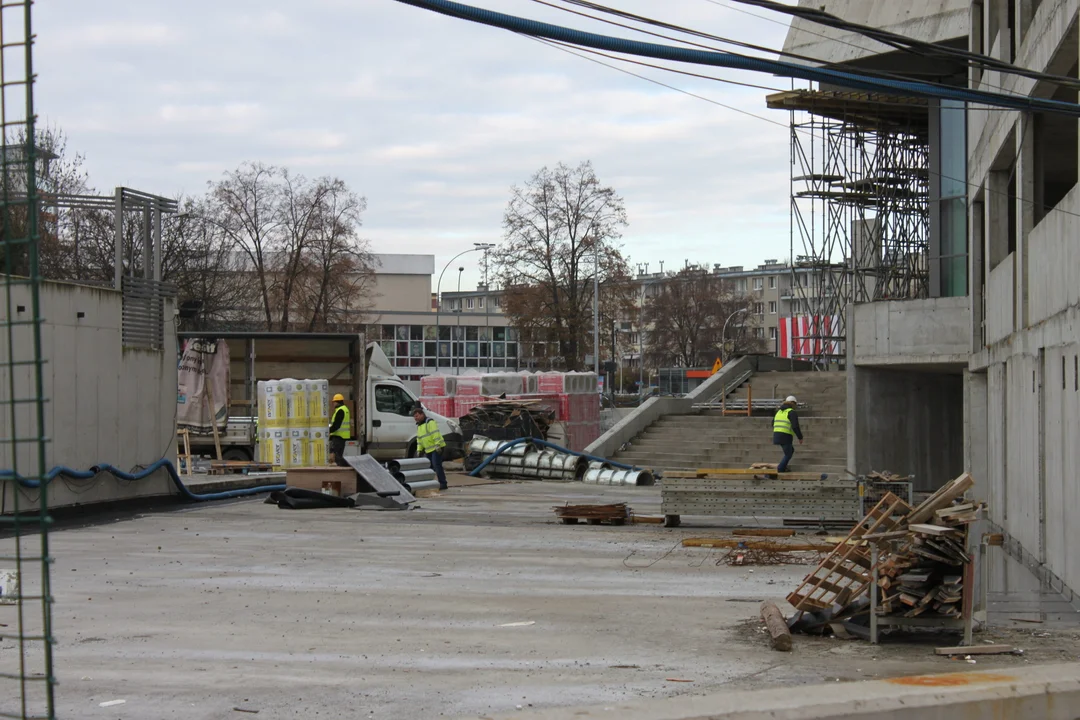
(686,316)
(337,283)
(554,227)
(298,240)
(244,206)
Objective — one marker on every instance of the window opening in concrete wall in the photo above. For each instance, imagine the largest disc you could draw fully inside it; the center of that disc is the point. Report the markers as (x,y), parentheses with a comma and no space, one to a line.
(1055,140)
(1011,224)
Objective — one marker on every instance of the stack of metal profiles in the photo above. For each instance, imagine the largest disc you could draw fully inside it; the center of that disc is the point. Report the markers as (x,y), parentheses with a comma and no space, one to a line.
(748,493)
(526,460)
(604,474)
(413,473)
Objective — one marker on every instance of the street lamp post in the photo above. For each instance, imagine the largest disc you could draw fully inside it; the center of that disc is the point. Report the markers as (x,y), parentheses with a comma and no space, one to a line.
(723,334)
(438,294)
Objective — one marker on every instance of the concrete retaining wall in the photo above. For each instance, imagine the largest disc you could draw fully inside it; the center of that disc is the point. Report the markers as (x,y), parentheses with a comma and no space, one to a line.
(1046,692)
(655,408)
(105,403)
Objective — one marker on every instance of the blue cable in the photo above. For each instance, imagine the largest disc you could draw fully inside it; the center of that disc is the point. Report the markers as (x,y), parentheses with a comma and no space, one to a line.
(535,28)
(536,441)
(117,472)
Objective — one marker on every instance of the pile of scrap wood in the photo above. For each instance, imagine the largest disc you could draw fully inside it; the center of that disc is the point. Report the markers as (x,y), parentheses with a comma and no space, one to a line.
(616,514)
(508,420)
(922,564)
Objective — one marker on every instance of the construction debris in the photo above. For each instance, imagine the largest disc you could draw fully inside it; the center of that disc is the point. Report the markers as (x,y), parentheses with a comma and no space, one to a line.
(508,420)
(618,514)
(769,545)
(917,558)
(740,555)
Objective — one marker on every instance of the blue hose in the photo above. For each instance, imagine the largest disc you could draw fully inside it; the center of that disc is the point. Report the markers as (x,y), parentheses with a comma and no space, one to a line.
(534,28)
(536,441)
(117,472)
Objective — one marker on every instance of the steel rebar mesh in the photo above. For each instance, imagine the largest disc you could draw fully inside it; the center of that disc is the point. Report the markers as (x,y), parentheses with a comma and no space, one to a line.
(26,673)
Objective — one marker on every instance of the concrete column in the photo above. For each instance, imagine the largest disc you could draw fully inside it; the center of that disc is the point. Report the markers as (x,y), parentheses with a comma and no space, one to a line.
(118,220)
(976,432)
(852,392)
(976,268)
(1025,211)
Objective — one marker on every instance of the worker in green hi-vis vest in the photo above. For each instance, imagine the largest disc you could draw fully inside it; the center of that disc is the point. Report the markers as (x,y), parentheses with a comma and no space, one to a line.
(785,430)
(430,443)
(340,430)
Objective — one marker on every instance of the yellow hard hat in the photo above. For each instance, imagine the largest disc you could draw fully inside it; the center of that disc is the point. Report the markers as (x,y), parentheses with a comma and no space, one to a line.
(339,398)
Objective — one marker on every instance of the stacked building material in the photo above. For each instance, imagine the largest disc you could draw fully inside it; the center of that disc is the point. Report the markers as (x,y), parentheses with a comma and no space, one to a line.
(912,563)
(571,396)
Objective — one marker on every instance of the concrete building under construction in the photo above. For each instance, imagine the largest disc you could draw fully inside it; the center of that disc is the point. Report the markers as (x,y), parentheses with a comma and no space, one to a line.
(953,226)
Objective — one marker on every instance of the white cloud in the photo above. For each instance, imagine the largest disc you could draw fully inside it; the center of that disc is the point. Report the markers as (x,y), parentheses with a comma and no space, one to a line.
(433,119)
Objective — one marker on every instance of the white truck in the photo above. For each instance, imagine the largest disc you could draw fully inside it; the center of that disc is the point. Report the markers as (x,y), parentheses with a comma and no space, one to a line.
(379,402)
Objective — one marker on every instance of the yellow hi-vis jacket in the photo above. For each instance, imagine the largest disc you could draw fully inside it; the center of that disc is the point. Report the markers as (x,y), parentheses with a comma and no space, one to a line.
(428,437)
(345,429)
(781,423)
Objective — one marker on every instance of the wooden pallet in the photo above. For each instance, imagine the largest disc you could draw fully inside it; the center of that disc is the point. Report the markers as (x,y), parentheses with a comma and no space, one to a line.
(845,573)
(618,514)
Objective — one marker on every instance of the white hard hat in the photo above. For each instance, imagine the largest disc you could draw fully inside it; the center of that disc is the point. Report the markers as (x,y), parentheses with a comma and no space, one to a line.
(790,399)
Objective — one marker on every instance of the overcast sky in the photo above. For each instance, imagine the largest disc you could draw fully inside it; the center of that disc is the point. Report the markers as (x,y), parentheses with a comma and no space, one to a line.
(432,119)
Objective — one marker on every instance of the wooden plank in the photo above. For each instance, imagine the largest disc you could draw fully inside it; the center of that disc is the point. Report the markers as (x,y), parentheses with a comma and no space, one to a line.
(976,650)
(755,545)
(942,498)
(778,629)
(927,529)
(954,510)
(764,532)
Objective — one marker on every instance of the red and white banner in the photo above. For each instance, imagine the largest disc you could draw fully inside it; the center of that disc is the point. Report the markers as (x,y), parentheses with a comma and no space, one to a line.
(810,335)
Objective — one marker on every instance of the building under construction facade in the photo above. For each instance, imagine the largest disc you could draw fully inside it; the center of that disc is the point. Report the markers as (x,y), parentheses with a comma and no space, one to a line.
(952,231)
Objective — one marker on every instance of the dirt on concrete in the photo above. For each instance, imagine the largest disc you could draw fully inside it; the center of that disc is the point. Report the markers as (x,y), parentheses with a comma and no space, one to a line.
(477,602)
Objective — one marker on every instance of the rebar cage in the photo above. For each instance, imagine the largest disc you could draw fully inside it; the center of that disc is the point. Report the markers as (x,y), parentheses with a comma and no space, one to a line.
(26,670)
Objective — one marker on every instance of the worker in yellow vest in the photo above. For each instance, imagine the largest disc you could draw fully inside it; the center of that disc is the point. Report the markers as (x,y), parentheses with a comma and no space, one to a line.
(340,430)
(430,442)
(785,430)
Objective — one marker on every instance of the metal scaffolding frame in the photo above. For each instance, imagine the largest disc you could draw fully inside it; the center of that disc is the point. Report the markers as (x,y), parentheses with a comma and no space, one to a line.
(859,207)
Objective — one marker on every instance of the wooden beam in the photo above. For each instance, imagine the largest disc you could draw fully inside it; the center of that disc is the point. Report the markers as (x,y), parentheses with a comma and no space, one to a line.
(778,629)
(764,532)
(976,650)
(941,499)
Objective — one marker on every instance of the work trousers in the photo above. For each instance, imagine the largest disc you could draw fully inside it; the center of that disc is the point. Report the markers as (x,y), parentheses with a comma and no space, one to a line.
(337,448)
(787,444)
(436,464)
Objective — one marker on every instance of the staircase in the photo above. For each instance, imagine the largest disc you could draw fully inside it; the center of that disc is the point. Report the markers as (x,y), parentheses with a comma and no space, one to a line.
(708,438)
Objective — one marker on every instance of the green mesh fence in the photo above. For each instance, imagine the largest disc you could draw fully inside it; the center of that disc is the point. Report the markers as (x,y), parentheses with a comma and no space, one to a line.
(26,674)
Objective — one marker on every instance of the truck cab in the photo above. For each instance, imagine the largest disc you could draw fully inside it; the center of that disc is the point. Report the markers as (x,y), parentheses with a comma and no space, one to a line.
(391,431)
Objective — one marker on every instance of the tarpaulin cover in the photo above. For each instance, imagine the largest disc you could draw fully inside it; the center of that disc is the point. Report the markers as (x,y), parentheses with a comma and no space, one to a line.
(202,363)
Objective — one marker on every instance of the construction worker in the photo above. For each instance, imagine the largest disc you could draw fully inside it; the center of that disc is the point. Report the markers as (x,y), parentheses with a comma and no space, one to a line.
(785,430)
(430,442)
(340,430)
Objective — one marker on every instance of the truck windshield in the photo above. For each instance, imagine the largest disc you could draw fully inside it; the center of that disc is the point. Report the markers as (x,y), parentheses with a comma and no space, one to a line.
(393,399)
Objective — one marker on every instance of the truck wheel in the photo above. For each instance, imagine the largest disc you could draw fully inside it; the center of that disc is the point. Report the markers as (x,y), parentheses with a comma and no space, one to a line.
(412,448)
(235,454)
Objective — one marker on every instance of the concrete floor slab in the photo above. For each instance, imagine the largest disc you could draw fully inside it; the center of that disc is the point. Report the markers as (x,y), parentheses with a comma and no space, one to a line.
(470,605)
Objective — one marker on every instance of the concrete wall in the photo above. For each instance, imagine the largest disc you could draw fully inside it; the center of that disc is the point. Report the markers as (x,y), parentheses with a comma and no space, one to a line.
(906,422)
(933,330)
(929,20)
(106,403)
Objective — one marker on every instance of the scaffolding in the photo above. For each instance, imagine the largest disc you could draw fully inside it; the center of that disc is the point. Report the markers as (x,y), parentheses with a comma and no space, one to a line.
(859,209)
(26,640)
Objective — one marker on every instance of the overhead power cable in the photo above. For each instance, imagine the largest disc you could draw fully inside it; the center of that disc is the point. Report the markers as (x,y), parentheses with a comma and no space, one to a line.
(910,45)
(740,62)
